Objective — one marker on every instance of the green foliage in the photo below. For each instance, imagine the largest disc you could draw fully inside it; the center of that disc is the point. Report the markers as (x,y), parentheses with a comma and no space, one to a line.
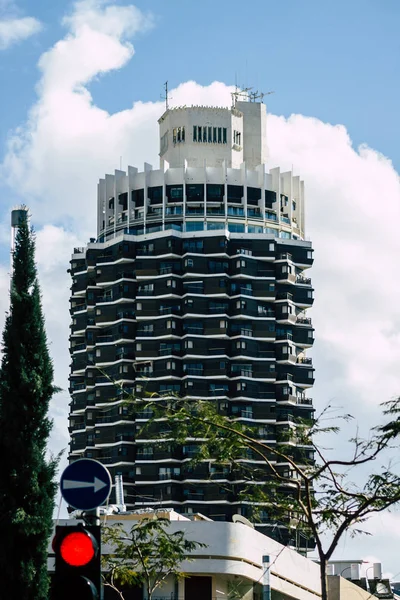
(27,486)
(147,554)
(315,496)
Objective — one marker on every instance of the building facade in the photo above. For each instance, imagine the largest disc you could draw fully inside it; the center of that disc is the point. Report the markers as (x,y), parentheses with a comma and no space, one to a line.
(196,285)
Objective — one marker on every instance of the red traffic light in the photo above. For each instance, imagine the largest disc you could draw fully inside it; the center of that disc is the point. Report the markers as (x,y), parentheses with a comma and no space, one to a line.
(78,548)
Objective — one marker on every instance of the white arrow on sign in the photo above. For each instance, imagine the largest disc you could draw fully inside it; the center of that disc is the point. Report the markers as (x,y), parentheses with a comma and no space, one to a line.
(97,484)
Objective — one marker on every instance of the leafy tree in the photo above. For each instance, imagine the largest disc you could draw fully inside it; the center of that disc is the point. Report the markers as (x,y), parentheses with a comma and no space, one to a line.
(147,555)
(319,496)
(27,486)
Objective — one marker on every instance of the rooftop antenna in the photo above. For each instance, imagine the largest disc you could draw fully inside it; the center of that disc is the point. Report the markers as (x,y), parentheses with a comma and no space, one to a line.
(262,94)
(253,96)
(166,97)
(244,91)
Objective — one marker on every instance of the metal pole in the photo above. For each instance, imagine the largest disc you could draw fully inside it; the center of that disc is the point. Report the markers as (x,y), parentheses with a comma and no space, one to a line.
(266,578)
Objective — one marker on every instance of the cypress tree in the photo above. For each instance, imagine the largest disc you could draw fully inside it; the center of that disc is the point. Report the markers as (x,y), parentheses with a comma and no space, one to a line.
(27,475)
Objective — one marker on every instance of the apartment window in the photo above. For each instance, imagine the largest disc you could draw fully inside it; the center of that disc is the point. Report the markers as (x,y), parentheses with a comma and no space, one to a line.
(209,135)
(241,386)
(171,365)
(224,140)
(193,368)
(138,470)
(309,374)
(271,247)
(309,334)
(271,287)
(138,347)
(98,393)
(309,294)
(195,133)
(219,135)
(98,312)
(171,283)
(171,325)
(241,344)
(148,327)
(223,324)
(218,388)
(123,369)
(189,344)
(214,135)
(168,472)
(189,262)
(236,137)
(309,253)
(98,352)
(285,349)
(147,287)
(193,245)
(146,451)
(178,135)
(170,387)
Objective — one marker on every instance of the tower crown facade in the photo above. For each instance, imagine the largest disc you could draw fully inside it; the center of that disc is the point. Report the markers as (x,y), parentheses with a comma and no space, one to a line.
(200,136)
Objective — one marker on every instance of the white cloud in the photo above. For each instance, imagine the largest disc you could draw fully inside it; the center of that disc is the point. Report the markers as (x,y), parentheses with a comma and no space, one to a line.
(14,30)
(353,208)
(55,159)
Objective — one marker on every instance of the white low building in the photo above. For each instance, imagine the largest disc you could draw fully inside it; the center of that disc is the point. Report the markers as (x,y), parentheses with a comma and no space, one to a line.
(230,567)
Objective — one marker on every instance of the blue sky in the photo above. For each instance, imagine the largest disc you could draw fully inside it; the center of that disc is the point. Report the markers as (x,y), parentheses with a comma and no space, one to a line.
(338,61)
(81,84)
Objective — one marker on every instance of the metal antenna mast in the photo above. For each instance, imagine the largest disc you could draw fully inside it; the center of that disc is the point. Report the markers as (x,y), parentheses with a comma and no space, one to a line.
(166,97)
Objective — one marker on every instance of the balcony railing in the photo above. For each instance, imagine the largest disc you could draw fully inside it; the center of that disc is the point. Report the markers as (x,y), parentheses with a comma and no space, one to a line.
(242,373)
(194,329)
(303,320)
(78,347)
(304,360)
(304,400)
(304,280)
(284,296)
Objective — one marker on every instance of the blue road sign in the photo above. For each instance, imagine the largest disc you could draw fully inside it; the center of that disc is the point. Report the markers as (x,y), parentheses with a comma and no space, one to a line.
(85,484)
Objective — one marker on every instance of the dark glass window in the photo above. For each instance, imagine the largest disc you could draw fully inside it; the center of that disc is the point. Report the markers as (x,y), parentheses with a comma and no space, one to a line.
(123,200)
(215,191)
(175,192)
(215,266)
(155,193)
(235,191)
(253,193)
(138,197)
(195,191)
(270,198)
(193,245)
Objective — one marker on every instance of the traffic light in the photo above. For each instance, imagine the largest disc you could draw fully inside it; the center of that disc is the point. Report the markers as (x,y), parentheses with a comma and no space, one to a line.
(78,569)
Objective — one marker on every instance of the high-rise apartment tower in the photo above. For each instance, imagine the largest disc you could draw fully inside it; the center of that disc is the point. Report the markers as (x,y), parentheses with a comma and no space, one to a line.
(196,284)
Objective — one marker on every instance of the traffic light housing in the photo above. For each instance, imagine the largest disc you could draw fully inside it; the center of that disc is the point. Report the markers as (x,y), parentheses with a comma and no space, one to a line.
(77,551)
